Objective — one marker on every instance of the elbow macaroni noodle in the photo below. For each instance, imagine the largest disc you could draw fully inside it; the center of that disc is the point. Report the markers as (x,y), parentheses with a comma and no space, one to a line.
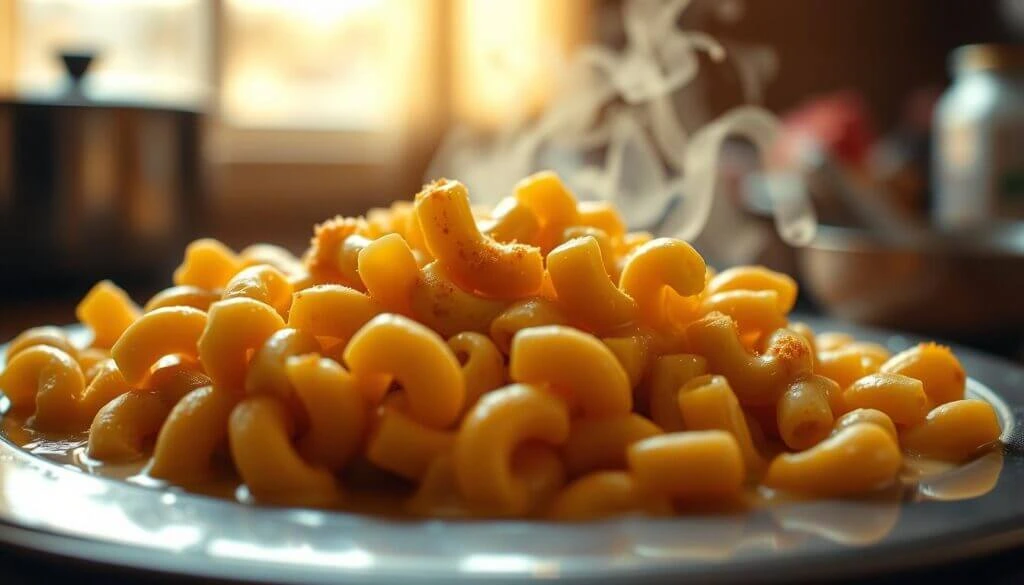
(536,360)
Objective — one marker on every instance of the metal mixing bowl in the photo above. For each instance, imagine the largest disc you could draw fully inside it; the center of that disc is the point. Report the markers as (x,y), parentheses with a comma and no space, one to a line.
(952,284)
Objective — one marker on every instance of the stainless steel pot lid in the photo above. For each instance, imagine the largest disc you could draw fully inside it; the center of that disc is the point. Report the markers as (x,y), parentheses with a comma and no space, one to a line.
(66,513)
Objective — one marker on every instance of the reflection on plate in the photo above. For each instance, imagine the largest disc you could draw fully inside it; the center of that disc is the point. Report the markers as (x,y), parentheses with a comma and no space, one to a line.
(945,512)
(972,480)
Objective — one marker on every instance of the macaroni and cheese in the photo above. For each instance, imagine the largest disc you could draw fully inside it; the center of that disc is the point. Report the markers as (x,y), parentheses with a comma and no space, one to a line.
(535,360)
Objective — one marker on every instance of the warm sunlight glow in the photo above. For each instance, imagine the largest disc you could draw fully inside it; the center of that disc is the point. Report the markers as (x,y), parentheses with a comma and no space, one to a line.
(506,55)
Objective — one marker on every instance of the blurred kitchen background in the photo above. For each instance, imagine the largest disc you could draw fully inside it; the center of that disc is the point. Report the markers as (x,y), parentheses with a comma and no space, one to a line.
(129,127)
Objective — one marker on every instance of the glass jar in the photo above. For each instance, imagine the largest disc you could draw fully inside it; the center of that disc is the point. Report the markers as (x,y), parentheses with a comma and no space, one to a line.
(979,138)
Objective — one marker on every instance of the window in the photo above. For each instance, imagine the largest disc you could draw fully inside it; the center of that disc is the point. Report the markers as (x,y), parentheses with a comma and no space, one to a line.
(316,64)
(336,82)
(322,81)
(146,50)
(507,55)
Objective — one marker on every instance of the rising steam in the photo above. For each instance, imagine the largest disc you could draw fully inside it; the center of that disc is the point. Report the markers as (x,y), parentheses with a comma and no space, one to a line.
(614,131)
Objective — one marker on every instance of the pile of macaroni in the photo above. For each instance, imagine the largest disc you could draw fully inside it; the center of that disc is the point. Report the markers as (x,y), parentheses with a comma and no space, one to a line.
(534,360)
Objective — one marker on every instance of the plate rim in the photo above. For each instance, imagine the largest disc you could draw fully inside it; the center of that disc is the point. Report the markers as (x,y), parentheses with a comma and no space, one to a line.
(838,562)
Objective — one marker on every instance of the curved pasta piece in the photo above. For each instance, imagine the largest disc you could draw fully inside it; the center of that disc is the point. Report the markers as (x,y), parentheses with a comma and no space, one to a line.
(418,359)
(680,311)
(856,460)
(900,397)
(302,281)
(107,310)
(601,215)
(473,261)
(597,387)
(873,354)
(208,264)
(757,380)
(262,283)
(831,390)
(831,340)
(384,220)
(374,388)
(347,261)
(335,409)
(604,494)
(407,223)
(585,291)
(707,403)
(537,466)
(122,428)
(483,366)
(336,352)
(755,312)
(107,384)
(173,379)
(89,360)
(260,431)
(690,465)
(490,433)
(633,352)
(804,415)
(50,381)
(804,330)
(183,296)
(935,366)
(867,416)
(271,255)
(379,221)
(657,264)
(611,265)
(521,315)
(596,444)
(331,310)
(405,447)
(668,375)
(323,259)
(547,289)
(843,365)
(267,373)
(438,492)
(630,241)
(512,222)
(953,431)
(662,341)
(390,273)
(551,202)
(444,307)
(162,332)
(47,335)
(234,328)
(62,399)
(196,426)
(756,278)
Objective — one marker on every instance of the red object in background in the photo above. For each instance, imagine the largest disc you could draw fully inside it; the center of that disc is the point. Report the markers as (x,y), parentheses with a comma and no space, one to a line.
(839,123)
